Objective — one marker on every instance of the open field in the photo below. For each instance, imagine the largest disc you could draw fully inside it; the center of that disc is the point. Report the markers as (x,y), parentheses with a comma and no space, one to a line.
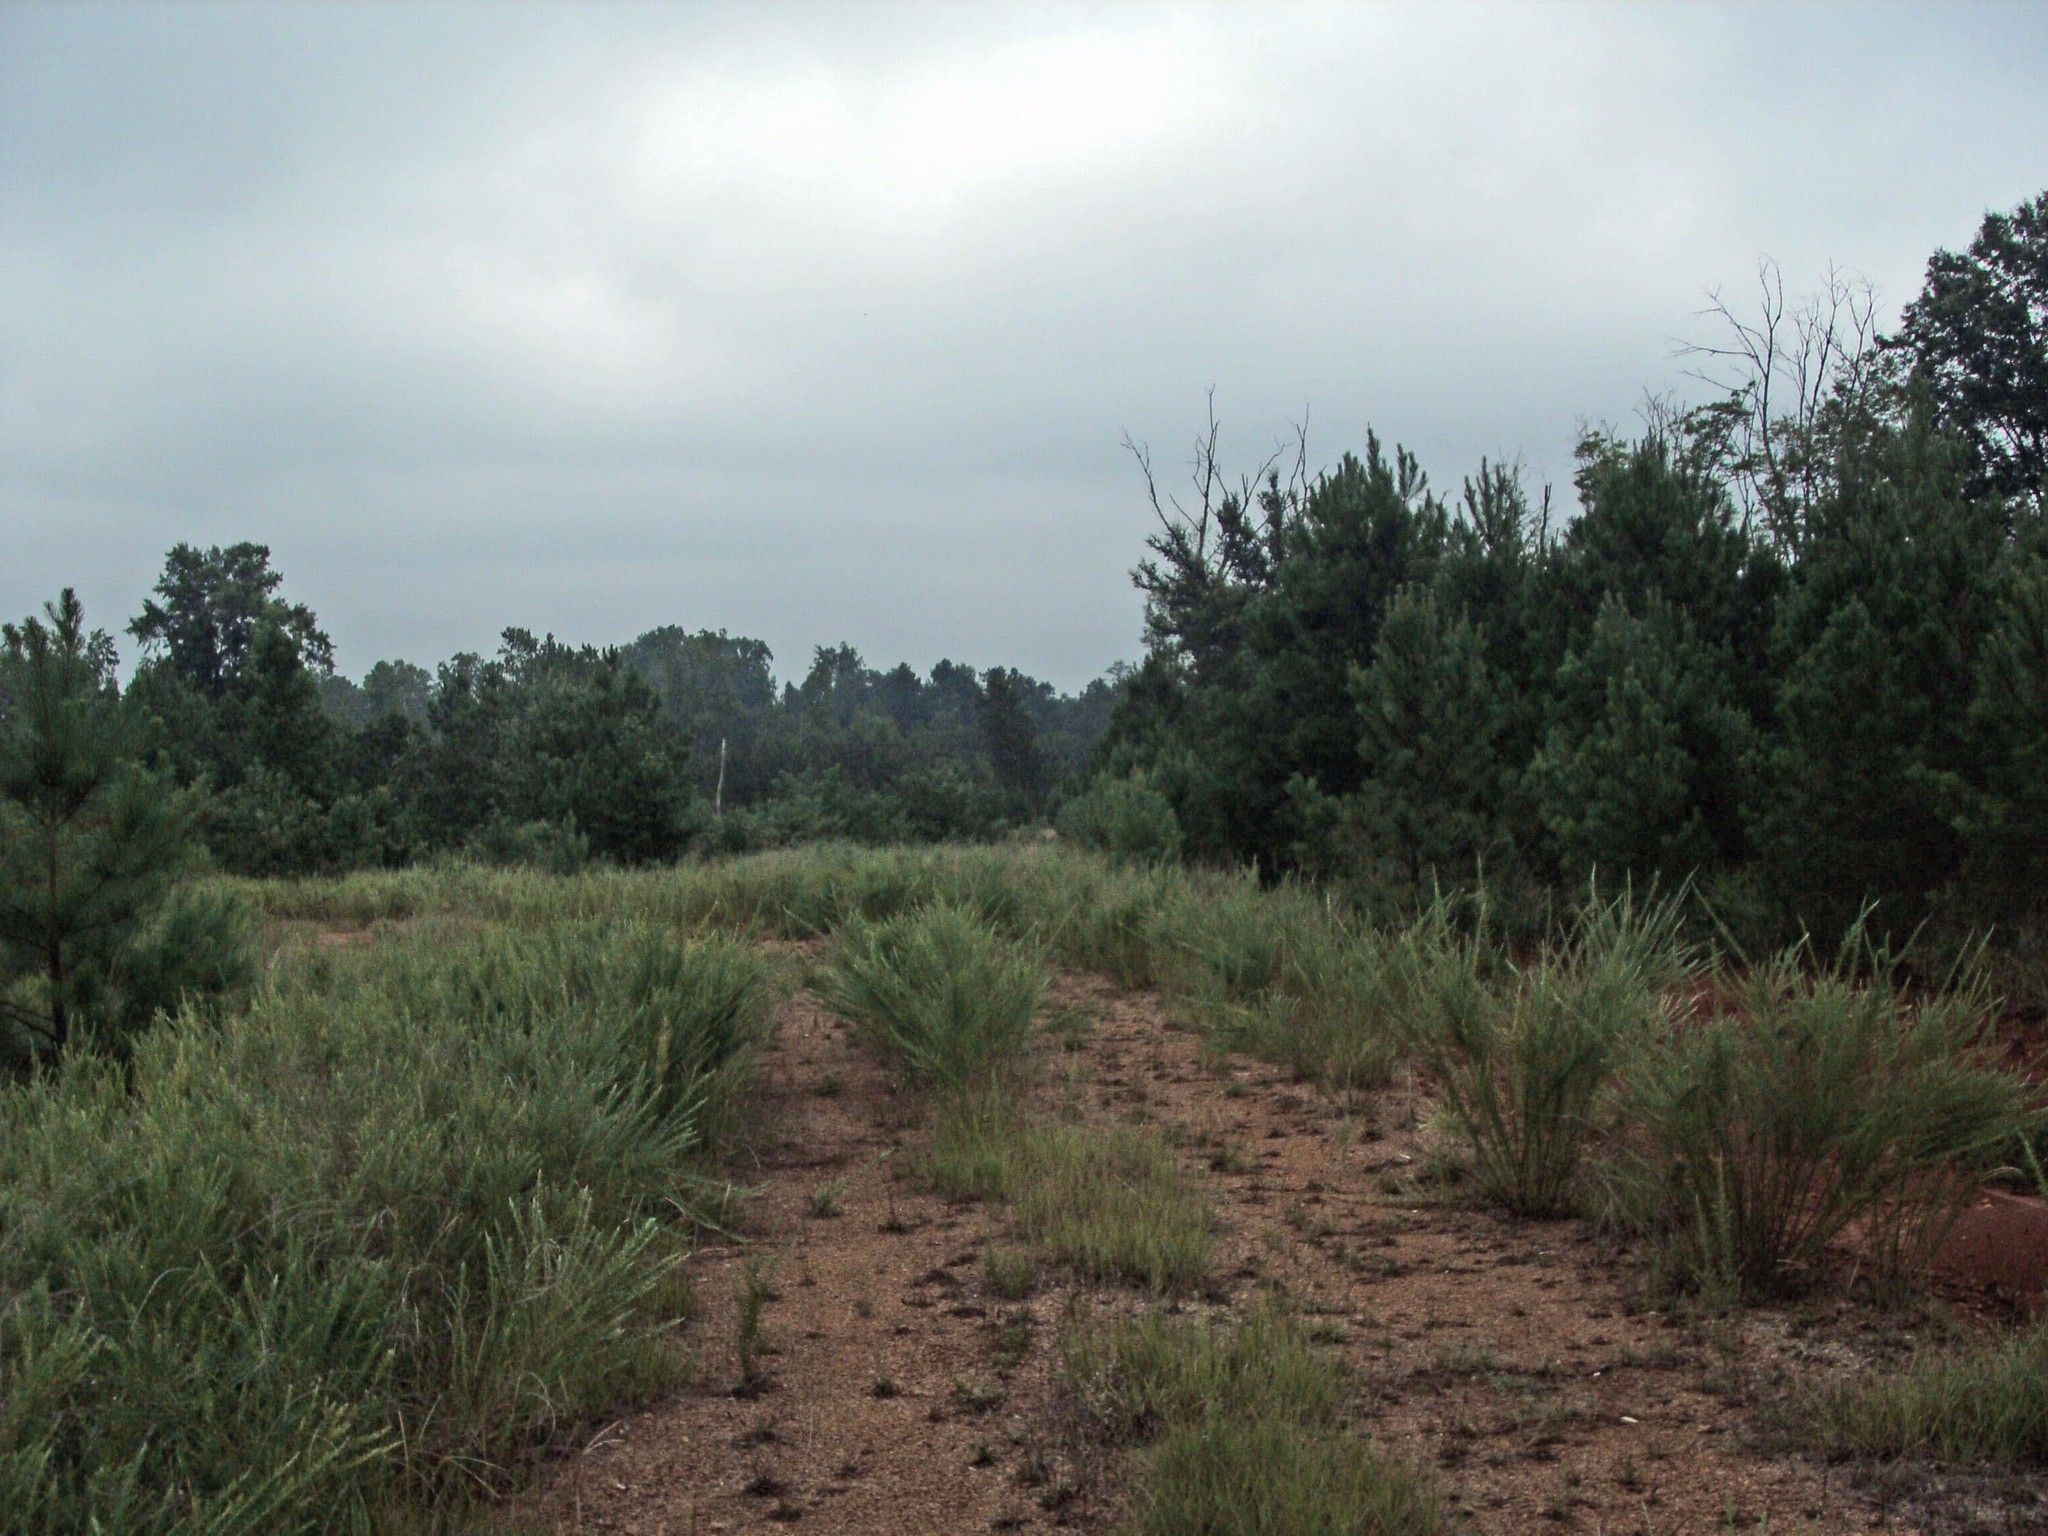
(667,1202)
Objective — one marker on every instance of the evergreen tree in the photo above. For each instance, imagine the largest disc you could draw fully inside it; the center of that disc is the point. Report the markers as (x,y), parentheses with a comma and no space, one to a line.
(1433,715)
(1012,741)
(92,939)
(2005,813)
(1644,769)
(1877,659)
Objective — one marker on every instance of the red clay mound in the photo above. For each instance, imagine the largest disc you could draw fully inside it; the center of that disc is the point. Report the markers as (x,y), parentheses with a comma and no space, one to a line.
(1998,1253)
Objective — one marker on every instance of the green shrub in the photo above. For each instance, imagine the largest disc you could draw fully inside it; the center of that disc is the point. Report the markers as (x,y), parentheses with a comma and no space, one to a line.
(1827,1099)
(1125,818)
(938,996)
(1524,1056)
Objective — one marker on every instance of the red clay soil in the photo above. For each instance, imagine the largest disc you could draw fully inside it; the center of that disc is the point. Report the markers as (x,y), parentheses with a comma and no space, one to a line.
(1519,1361)
(1997,1255)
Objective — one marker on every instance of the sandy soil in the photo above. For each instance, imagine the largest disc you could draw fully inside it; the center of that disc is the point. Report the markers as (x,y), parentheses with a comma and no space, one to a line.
(1517,1359)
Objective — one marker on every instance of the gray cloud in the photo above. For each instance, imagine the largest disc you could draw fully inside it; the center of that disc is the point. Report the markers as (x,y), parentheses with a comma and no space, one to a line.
(825,323)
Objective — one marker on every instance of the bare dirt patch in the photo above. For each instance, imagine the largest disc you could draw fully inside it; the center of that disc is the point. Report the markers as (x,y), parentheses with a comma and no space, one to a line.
(1519,1360)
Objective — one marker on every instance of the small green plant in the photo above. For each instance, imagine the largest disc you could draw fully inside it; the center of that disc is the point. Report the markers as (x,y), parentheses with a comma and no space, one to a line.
(1982,1402)
(978,1396)
(1241,1431)
(1071,1028)
(974,1149)
(753,1289)
(941,998)
(1011,1273)
(827,1200)
(1013,1341)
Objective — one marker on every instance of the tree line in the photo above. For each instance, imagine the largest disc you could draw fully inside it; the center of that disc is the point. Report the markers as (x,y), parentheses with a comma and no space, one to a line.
(1793,644)
(559,753)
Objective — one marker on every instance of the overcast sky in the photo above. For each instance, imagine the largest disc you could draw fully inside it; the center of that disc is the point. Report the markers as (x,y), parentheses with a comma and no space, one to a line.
(824,323)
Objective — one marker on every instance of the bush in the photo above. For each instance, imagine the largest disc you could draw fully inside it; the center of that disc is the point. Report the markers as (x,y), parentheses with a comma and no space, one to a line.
(1825,1100)
(556,847)
(1524,1057)
(944,1001)
(1127,819)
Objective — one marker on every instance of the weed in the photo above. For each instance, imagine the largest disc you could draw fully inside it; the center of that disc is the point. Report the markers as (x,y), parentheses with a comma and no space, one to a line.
(828,1199)
(1013,1341)
(1072,1028)
(1524,1057)
(1011,1273)
(974,1149)
(1114,1205)
(752,1292)
(978,1396)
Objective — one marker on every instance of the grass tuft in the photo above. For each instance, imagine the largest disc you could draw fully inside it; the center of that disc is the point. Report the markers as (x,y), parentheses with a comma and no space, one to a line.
(1525,1057)
(1980,1404)
(359,1244)
(1242,1431)
(936,994)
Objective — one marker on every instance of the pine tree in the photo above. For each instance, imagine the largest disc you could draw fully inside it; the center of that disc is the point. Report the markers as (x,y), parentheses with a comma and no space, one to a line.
(91,846)
(1645,766)
(1433,715)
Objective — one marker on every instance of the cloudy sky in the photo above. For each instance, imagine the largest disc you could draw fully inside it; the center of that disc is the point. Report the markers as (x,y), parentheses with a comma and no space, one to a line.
(822,323)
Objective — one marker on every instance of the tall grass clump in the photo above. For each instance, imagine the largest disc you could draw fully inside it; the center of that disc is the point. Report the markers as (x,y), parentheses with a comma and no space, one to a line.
(1110,1203)
(1282,975)
(1825,1100)
(1241,1431)
(938,996)
(976,1146)
(345,1254)
(1525,1056)
(1984,1403)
